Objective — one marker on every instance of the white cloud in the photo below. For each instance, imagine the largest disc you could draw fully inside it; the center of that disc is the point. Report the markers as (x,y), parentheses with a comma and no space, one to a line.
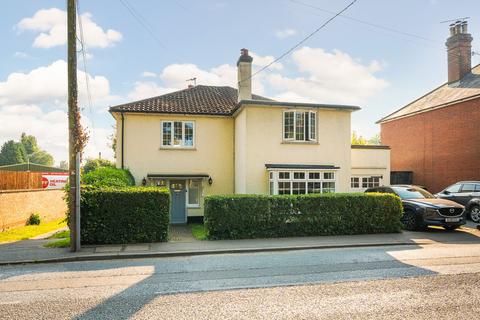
(147,89)
(48,84)
(285,33)
(148,74)
(328,78)
(51,24)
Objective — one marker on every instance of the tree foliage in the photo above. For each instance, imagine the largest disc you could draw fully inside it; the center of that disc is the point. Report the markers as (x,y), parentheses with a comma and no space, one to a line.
(360,140)
(25,150)
(93,164)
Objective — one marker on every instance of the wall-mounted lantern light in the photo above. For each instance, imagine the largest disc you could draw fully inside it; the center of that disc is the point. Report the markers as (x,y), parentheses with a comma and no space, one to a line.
(144,181)
(210,180)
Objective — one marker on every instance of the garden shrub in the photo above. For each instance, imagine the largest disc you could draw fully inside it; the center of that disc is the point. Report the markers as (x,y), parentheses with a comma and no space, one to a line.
(34,219)
(257,216)
(94,164)
(109,177)
(124,215)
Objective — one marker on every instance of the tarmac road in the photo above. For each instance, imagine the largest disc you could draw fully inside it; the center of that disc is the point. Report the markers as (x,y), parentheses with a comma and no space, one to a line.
(433,281)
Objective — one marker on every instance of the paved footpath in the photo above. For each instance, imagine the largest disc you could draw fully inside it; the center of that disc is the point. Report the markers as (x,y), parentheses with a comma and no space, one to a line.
(184,245)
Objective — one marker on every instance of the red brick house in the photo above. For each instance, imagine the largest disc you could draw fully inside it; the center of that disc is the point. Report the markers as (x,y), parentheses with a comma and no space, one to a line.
(437,136)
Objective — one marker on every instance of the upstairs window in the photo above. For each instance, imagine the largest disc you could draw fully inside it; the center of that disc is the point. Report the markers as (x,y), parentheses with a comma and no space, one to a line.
(299,126)
(178,134)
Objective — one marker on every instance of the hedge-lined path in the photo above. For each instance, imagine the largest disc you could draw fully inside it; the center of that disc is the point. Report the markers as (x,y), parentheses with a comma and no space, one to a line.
(181,233)
(30,251)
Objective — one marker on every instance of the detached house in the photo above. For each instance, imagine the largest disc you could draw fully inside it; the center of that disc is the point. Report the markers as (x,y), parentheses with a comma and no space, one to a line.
(208,140)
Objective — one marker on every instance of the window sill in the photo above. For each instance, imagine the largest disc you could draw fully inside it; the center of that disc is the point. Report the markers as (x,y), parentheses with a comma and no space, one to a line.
(178,148)
(299,142)
(192,206)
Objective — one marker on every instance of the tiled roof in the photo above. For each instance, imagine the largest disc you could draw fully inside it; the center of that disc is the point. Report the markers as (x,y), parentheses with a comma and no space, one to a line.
(467,88)
(200,99)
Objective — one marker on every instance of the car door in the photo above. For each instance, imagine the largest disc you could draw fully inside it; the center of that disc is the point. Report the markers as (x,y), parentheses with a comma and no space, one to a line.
(466,193)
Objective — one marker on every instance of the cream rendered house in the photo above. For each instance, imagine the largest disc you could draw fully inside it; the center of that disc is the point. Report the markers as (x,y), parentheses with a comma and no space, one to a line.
(208,140)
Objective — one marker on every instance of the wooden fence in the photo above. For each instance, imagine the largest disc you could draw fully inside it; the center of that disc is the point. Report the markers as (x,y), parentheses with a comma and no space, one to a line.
(18,180)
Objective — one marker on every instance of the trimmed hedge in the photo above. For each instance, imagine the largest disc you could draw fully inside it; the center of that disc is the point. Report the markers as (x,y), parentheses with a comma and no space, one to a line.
(261,216)
(124,215)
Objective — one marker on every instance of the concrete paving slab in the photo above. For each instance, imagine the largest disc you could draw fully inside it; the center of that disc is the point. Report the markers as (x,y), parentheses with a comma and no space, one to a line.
(137,247)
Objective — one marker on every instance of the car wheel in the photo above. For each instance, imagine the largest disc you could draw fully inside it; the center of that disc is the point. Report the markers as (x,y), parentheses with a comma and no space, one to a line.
(450,228)
(475,214)
(410,221)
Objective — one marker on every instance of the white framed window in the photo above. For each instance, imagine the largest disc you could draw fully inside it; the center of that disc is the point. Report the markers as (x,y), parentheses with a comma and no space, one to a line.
(301,182)
(360,183)
(299,126)
(178,134)
(194,190)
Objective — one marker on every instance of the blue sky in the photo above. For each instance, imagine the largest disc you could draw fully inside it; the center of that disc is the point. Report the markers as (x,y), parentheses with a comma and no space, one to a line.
(347,62)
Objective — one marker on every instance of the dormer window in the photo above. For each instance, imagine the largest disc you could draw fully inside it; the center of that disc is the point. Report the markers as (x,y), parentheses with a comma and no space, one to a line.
(299,126)
(178,134)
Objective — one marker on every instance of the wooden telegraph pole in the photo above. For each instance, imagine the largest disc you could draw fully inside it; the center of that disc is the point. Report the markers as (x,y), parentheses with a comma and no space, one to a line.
(72,120)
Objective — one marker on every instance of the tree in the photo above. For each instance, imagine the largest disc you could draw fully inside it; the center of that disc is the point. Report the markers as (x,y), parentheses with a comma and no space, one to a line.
(357,139)
(12,152)
(113,141)
(93,164)
(26,150)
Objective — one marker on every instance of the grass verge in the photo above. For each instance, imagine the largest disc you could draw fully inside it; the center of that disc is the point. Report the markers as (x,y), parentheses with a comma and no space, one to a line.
(62,243)
(27,232)
(61,235)
(198,231)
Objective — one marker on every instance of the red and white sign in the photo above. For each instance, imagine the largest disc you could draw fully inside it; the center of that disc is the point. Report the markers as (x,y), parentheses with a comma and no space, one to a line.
(54,180)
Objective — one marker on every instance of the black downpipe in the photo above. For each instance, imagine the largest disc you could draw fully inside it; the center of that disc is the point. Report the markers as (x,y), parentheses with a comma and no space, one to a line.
(123,130)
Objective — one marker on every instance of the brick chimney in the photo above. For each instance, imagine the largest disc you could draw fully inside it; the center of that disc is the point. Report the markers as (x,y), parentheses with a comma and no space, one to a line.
(244,69)
(459,48)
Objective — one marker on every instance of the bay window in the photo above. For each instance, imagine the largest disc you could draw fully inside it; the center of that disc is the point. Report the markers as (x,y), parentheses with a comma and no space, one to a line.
(299,126)
(301,182)
(178,134)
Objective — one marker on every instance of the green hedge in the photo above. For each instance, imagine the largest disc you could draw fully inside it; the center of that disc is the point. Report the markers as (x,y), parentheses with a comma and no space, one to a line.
(259,216)
(124,215)
(108,177)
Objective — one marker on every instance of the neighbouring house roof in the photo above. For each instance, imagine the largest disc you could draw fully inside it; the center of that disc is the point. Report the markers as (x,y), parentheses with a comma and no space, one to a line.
(300,166)
(208,100)
(177,176)
(447,94)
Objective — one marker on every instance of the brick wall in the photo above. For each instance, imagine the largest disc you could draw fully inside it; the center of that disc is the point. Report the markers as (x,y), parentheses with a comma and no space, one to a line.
(440,146)
(17,205)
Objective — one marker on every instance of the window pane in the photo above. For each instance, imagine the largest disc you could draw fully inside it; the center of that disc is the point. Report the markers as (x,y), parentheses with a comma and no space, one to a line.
(314,187)
(328,187)
(288,126)
(284,188)
(468,187)
(194,192)
(271,187)
(300,126)
(312,130)
(299,175)
(314,176)
(328,175)
(364,182)
(453,189)
(354,182)
(188,126)
(177,133)
(284,175)
(167,134)
(298,188)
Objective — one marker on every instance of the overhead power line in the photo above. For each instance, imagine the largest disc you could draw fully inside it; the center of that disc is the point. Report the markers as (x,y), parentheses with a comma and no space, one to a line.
(368,23)
(142,21)
(286,53)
